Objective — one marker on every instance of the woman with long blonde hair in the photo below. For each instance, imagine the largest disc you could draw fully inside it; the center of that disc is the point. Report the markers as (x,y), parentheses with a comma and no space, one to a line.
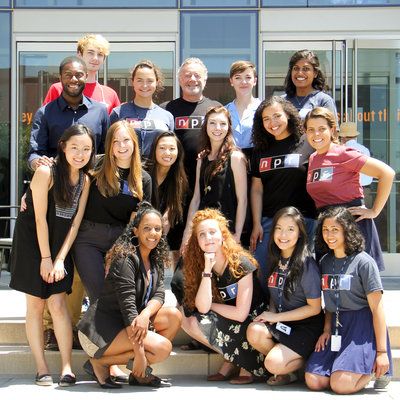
(118,186)
(222,296)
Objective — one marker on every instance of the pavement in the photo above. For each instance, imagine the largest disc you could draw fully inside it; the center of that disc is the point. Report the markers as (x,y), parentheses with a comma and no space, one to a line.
(12,307)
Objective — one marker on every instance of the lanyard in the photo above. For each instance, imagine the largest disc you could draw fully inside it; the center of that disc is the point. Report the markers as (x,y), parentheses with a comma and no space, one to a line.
(146,299)
(281,288)
(337,291)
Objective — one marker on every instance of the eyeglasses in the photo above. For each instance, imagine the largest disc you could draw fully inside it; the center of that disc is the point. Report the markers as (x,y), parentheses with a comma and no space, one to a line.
(296,68)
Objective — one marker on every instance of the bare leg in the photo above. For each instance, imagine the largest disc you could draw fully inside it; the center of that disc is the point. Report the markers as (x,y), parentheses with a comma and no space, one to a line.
(259,337)
(343,382)
(317,382)
(34,331)
(167,322)
(282,360)
(62,329)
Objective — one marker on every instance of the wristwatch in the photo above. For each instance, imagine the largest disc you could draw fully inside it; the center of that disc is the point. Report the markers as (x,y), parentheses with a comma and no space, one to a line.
(206,274)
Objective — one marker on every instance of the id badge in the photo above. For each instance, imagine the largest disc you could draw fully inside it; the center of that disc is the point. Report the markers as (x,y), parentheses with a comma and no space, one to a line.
(283,328)
(345,282)
(336,342)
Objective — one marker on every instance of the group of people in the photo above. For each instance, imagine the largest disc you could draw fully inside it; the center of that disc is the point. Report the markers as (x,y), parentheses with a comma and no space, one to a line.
(255,205)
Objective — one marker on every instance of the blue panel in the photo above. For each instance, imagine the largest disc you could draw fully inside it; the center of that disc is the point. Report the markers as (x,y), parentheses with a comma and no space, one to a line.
(328,3)
(219,3)
(5,3)
(96,4)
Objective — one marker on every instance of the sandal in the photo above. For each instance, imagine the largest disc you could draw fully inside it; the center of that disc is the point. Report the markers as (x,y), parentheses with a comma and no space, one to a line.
(242,380)
(150,380)
(67,380)
(43,380)
(282,380)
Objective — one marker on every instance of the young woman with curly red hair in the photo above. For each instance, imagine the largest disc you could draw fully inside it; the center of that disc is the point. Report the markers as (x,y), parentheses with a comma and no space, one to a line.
(223,294)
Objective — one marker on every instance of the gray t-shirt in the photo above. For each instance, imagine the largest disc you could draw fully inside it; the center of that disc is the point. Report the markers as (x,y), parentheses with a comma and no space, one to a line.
(354,276)
(309,287)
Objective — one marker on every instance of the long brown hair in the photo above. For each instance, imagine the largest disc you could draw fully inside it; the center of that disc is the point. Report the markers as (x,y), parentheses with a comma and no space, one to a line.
(108,176)
(193,259)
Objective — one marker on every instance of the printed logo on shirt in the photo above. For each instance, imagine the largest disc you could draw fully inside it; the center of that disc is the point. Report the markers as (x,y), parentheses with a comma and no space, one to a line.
(276,280)
(279,162)
(188,122)
(336,282)
(321,175)
(229,292)
(146,124)
(125,189)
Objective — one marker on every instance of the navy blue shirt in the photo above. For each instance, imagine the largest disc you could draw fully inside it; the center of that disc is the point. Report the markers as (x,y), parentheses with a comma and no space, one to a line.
(54,118)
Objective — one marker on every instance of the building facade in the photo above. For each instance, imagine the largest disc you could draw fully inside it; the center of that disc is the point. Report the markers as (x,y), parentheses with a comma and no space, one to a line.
(357,41)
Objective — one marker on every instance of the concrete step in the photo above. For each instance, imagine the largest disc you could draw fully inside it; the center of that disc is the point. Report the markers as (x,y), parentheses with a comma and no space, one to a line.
(18,360)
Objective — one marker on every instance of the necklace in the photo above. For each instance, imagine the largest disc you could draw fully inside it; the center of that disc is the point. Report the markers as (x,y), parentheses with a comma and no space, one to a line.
(283,263)
(300,103)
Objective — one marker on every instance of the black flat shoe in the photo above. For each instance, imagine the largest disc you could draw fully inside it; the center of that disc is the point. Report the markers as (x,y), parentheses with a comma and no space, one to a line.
(67,380)
(120,378)
(109,384)
(151,380)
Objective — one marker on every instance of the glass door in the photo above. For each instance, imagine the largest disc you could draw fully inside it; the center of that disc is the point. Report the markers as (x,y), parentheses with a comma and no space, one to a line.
(38,69)
(332,57)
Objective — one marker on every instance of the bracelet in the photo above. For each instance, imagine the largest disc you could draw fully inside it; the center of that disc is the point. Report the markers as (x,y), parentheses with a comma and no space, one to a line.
(381,351)
(43,258)
(206,274)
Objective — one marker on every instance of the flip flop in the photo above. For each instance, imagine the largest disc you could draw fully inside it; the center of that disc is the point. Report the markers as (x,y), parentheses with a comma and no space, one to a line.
(282,380)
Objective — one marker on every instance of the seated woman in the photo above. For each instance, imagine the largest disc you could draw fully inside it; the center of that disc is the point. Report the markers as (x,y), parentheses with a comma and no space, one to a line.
(354,344)
(223,294)
(128,320)
(287,333)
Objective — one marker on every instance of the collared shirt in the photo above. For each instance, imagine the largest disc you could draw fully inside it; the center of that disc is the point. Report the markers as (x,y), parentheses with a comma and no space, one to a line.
(242,128)
(54,118)
(365,180)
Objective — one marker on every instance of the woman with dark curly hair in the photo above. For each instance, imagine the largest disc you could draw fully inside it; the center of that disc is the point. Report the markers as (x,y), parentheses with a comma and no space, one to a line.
(279,171)
(355,343)
(146,117)
(221,177)
(170,185)
(128,320)
(286,334)
(305,84)
(334,177)
(223,294)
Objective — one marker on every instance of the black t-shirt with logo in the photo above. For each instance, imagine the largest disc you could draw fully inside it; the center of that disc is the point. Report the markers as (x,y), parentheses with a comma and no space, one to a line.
(283,172)
(188,117)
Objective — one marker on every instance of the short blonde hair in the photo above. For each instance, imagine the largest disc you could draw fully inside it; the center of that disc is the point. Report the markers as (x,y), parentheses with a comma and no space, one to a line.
(95,40)
(240,66)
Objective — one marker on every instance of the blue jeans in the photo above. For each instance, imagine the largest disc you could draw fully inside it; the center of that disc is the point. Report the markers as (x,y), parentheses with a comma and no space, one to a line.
(261,252)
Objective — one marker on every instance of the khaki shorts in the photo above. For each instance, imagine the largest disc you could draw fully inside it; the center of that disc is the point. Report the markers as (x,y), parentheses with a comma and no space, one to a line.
(87,345)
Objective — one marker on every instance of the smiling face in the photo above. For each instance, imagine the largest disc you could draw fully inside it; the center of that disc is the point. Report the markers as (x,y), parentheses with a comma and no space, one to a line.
(333,235)
(93,57)
(149,231)
(192,80)
(303,75)
(217,127)
(166,151)
(275,121)
(78,150)
(122,148)
(144,82)
(73,79)
(319,134)
(209,236)
(244,82)
(286,235)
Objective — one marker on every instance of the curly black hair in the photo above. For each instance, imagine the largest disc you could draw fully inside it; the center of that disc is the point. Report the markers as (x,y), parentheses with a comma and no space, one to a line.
(261,138)
(318,82)
(300,252)
(353,238)
(125,246)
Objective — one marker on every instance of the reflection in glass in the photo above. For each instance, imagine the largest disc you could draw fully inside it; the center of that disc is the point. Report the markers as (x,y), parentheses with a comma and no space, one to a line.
(5,3)
(327,3)
(95,4)
(218,3)
(225,38)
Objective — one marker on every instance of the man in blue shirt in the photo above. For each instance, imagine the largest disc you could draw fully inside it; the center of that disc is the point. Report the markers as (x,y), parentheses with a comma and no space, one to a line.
(72,107)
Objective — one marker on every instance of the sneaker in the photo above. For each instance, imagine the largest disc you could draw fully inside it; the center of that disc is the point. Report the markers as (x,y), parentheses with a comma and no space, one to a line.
(50,341)
(382,382)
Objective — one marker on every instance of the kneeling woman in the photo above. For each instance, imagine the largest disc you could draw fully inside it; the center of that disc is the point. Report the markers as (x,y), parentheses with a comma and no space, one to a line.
(355,343)
(287,333)
(223,292)
(128,321)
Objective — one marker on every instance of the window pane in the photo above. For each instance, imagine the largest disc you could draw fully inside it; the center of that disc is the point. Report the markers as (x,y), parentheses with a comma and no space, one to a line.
(225,37)
(287,3)
(327,3)
(5,132)
(5,3)
(96,4)
(218,3)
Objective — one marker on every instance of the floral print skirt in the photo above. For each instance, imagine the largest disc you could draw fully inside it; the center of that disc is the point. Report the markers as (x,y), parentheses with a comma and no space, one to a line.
(228,337)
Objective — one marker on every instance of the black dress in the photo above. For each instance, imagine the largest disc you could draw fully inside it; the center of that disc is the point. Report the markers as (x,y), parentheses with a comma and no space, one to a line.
(25,255)
(218,191)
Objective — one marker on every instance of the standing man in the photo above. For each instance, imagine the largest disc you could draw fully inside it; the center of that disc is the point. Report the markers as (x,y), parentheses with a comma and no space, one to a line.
(93,49)
(348,136)
(49,123)
(189,111)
